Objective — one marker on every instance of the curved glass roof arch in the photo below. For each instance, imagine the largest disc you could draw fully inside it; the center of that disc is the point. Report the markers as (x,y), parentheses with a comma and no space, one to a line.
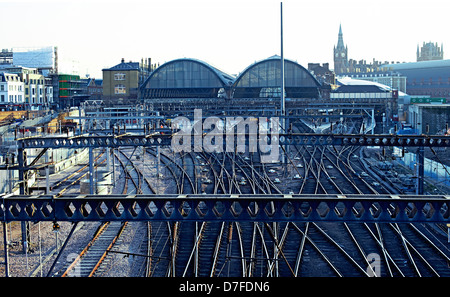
(186,78)
(263,79)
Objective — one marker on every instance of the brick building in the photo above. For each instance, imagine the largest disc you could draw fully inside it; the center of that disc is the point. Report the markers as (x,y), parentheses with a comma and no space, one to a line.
(121,82)
(93,88)
(425,78)
(429,118)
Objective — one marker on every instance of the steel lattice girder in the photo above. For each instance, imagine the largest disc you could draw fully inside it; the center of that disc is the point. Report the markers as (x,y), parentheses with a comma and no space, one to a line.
(325,208)
(283,139)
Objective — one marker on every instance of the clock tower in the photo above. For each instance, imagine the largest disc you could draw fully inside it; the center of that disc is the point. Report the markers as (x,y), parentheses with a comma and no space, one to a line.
(340,55)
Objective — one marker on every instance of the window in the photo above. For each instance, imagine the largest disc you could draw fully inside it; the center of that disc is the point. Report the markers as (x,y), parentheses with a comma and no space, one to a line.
(2,98)
(119,76)
(120,89)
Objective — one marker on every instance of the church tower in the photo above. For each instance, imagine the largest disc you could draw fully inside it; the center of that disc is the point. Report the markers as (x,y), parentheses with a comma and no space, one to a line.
(340,55)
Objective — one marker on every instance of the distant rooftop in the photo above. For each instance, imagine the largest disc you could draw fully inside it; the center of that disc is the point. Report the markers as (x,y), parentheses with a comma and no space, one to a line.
(124,66)
(418,65)
(435,70)
(348,84)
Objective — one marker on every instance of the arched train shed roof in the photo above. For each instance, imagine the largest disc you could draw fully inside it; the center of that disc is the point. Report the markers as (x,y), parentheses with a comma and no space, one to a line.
(186,78)
(263,79)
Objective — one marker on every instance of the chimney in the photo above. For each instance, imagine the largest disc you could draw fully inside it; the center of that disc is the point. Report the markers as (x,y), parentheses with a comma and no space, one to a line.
(123,60)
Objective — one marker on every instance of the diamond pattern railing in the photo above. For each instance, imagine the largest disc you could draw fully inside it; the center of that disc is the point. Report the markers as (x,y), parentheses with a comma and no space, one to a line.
(330,208)
(283,139)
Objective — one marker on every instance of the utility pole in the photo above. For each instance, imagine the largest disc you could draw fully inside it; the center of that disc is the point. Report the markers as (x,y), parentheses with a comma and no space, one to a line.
(23,190)
(5,243)
(92,186)
(283,103)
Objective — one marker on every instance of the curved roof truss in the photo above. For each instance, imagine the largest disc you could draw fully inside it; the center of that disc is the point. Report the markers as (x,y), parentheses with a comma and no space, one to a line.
(263,79)
(186,78)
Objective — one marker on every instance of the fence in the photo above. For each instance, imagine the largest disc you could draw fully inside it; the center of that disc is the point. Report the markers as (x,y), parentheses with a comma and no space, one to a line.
(433,169)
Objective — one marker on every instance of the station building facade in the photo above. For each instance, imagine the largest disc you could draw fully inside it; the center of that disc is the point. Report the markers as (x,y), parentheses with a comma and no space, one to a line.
(185,78)
(263,80)
(191,78)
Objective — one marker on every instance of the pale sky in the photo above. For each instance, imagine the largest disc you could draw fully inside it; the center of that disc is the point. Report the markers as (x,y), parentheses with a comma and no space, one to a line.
(228,34)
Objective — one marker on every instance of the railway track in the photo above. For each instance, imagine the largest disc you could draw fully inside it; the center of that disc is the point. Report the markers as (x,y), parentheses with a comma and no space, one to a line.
(387,241)
(254,249)
(276,249)
(90,259)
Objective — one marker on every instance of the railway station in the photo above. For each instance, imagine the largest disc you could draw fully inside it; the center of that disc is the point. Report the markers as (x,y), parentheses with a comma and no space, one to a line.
(335,194)
(268,173)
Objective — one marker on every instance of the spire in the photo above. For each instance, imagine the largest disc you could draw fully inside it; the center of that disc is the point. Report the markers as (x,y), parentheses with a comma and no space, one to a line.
(340,44)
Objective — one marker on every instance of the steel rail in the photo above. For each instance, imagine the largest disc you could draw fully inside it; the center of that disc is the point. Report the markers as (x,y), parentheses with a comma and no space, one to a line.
(431,243)
(165,159)
(141,176)
(361,251)
(408,245)
(128,173)
(372,209)
(211,159)
(300,252)
(345,253)
(251,265)
(217,250)
(338,157)
(322,254)
(154,245)
(84,251)
(99,235)
(110,246)
(194,250)
(386,254)
(60,182)
(183,172)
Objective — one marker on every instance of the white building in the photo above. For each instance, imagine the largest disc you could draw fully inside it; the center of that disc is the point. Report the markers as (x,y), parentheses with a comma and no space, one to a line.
(48,91)
(388,78)
(11,91)
(34,88)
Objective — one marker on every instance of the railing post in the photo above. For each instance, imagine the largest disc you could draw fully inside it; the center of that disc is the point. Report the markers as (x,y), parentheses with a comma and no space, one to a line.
(420,169)
(91,171)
